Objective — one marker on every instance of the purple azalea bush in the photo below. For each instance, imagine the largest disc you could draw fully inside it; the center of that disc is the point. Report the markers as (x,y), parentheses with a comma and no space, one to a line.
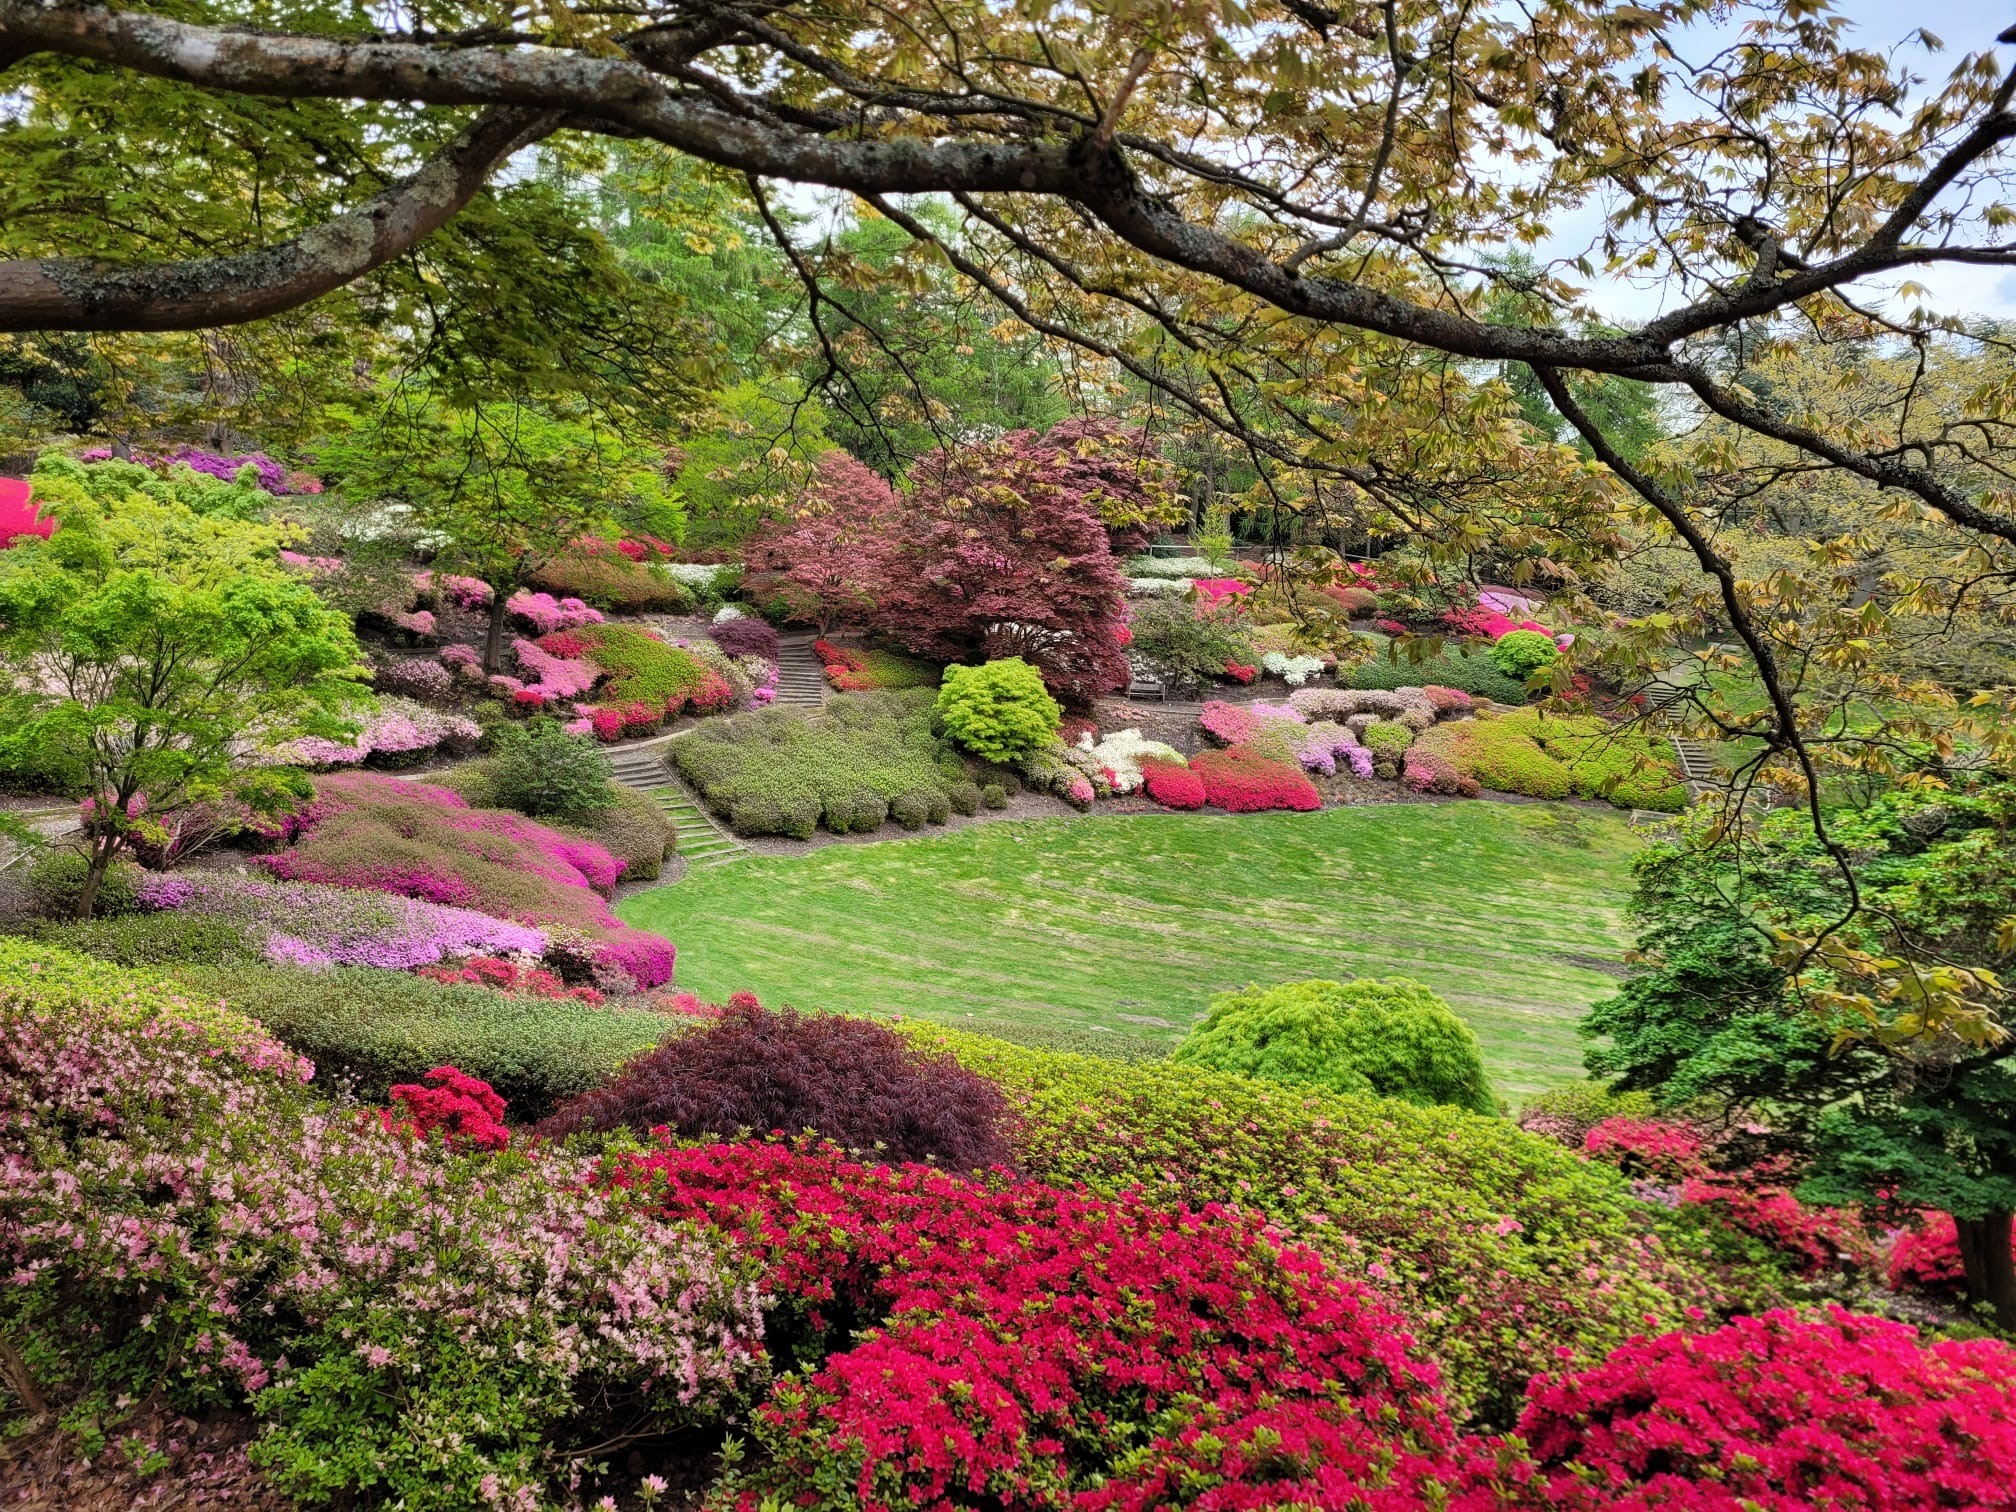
(307,924)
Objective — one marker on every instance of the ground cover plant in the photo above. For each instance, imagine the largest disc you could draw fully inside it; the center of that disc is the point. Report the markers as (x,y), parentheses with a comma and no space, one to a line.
(377,1028)
(1559,756)
(1470,672)
(854,764)
(1130,924)
(861,669)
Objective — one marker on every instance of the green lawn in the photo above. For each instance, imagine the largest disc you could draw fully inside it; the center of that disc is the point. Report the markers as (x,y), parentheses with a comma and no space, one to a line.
(1129,925)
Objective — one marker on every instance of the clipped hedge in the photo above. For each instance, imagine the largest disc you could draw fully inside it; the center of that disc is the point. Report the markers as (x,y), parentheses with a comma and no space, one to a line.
(1508,1254)
(1545,755)
(381,1027)
(861,761)
(155,939)
(1472,674)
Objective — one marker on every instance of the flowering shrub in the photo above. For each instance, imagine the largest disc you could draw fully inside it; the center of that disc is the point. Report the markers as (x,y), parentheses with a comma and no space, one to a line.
(853,1081)
(850,669)
(405,1319)
(598,572)
(424,842)
(419,623)
(1293,670)
(1501,1249)
(1323,744)
(302,924)
(463,1110)
(311,566)
(606,724)
(424,681)
(1244,781)
(1425,771)
(1171,783)
(1158,587)
(1557,756)
(1165,567)
(1229,723)
(401,733)
(465,593)
(1240,672)
(546,614)
(1778,1414)
(1210,590)
(1925,1256)
(745,637)
(1447,701)
(555,675)
(643,671)
(508,976)
(1028,1342)
(1123,753)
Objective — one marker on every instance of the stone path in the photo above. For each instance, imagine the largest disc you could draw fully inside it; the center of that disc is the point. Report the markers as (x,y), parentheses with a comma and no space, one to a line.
(701,841)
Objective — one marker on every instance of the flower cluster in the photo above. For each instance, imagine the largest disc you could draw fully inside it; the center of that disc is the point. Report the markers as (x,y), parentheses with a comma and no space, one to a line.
(545,614)
(1172,784)
(305,924)
(702,575)
(465,593)
(401,733)
(1240,672)
(1487,621)
(556,677)
(1293,670)
(1122,754)
(418,623)
(1210,591)
(508,976)
(1243,780)
(1036,1348)
(310,566)
(463,1110)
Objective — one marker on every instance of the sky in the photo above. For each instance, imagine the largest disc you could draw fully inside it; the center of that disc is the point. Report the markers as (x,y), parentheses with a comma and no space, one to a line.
(1964,26)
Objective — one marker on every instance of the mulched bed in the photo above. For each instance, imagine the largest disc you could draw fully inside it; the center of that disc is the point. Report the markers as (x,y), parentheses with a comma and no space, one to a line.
(156,1461)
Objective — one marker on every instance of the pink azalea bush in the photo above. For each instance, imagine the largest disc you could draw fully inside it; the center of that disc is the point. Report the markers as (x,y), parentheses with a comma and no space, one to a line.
(403,1315)
(554,677)
(545,614)
(465,593)
(400,733)
(306,924)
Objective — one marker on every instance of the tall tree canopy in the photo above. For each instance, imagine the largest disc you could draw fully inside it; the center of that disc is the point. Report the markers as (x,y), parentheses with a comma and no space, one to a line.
(1261,217)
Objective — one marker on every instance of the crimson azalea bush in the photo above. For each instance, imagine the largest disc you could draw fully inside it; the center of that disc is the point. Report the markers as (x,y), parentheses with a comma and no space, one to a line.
(857,1083)
(1242,780)
(1011,1345)
(462,1109)
(1171,783)
(1774,1414)
(421,841)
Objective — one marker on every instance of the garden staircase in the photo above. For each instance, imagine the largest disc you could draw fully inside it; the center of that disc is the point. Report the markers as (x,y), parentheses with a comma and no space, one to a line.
(701,841)
(801,676)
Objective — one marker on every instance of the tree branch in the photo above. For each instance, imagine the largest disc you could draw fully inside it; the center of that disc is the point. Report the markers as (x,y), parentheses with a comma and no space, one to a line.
(82,294)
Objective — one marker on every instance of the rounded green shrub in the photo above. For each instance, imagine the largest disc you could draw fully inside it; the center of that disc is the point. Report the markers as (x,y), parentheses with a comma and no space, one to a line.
(964,798)
(1390,1038)
(542,771)
(1521,653)
(1473,674)
(994,796)
(1000,711)
(911,809)
(56,882)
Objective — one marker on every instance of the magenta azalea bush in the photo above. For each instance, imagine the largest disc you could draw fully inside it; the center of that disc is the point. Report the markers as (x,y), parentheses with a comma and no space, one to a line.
(545,614)
(419,841)
(306,924)
(401,733)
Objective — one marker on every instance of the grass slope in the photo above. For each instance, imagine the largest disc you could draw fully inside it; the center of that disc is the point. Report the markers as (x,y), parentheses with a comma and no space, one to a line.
(1129,925)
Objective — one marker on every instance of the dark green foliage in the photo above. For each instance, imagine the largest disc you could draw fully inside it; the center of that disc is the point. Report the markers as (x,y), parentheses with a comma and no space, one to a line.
(1391,1038)
(541,770)
(964,797)
(784,772)
(1190,648)
(1473,674)
(635,830)
(994,796)
(381,1027)
(154,939)
(57,880)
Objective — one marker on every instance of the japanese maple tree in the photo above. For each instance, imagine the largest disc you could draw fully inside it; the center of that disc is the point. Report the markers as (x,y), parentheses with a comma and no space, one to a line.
(826,559)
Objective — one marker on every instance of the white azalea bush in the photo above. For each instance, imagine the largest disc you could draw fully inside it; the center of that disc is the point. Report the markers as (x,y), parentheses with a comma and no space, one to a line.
(1122,753)
(1293,670)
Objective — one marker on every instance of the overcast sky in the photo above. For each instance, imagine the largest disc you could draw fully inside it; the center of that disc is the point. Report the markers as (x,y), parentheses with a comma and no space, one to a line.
(1964,26)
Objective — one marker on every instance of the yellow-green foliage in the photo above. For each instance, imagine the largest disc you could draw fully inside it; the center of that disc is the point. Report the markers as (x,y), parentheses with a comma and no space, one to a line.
(1509,1254)
(1391,1038)
(45,977)
(1562,756)
(1001,711)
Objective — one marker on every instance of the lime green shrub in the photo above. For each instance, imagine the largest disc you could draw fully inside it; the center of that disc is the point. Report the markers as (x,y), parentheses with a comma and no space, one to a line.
(1391,1038)
(47,978)
(380,1027)
(1000,711)
(1562,756)
(1388,741)
(1521,653)
(1508,1254)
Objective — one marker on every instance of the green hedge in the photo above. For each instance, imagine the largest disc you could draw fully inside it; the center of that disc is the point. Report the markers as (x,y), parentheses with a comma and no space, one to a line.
(380,1027)
(863,759)
(155,939)
(1474,674)
(1545,755)
(1504,1249)
(44,977)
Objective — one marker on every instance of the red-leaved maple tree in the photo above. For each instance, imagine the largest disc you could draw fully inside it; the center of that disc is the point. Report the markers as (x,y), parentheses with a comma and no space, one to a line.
(827,560)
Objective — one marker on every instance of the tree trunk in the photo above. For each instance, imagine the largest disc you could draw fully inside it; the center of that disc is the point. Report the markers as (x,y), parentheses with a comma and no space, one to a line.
(493,636)
(1985,1257)
(102,849)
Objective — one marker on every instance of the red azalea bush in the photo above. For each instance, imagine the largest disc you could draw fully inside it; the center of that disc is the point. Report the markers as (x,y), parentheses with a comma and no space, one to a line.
(1171,784)
(508,976)
(1650,1147)
(421,841)
(1776,1414)
(1446,701)
(462,1109)
(1031,1348)
(1239,672)
(606,724)
(1243,781)
(1926,1257)
(856,1082)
